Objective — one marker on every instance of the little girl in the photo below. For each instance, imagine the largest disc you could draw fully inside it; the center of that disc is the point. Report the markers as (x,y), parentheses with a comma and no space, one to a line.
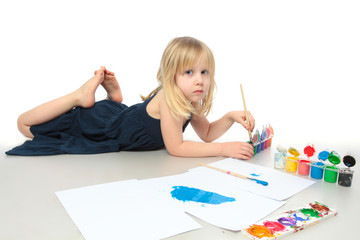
(75,124)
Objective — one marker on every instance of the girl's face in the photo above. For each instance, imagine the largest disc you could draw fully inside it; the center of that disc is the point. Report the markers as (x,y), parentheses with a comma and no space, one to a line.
(194,82)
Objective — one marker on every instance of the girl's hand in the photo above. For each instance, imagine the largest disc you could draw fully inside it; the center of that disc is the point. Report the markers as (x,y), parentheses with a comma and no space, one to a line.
(240,117)
(239,150)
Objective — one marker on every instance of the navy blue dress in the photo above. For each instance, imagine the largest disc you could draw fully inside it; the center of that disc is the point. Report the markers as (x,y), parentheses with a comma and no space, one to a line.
(108,126)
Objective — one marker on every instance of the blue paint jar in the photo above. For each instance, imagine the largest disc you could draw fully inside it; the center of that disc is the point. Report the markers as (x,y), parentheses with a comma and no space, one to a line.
(317,170)
(258,147)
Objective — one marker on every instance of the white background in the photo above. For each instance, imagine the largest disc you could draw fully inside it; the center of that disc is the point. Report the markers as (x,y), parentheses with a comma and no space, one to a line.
(298,61)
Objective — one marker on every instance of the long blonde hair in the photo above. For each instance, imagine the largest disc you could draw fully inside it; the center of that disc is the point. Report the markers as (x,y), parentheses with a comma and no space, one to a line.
(180,54)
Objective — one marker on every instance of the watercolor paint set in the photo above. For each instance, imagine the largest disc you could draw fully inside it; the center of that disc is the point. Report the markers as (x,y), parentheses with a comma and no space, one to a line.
(292,162)
(289,222)
(262,141)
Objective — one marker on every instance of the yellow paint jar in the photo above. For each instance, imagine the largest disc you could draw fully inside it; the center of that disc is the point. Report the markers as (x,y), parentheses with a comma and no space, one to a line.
(291,163)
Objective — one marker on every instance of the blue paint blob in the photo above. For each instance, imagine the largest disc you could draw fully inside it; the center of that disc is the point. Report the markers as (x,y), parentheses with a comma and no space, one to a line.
(187,194)
(255,175)
(260,182)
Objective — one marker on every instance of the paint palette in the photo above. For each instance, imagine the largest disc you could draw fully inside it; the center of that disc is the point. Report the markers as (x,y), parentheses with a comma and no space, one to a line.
(289,222)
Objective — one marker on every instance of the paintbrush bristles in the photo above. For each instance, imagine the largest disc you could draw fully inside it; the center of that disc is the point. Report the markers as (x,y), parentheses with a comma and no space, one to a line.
(246,113)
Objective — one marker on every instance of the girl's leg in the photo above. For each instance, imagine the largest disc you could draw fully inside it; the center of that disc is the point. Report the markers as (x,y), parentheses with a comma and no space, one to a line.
(111,86)
(82,97)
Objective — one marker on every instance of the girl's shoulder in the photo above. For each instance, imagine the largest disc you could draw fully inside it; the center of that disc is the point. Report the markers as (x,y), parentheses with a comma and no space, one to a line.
(153,107)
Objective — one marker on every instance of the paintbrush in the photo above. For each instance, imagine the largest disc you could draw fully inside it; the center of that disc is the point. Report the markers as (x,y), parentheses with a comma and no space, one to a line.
(246,113)
(236,174)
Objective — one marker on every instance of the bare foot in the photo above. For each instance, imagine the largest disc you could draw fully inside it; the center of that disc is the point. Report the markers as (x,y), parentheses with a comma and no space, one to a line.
(86,93)
(111,86)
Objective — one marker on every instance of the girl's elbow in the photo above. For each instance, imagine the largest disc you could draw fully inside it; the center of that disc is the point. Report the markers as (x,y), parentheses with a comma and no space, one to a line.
(206,139)
(175,151)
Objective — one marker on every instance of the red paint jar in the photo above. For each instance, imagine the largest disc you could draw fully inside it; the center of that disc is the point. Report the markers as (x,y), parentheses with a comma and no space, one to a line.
(304,167)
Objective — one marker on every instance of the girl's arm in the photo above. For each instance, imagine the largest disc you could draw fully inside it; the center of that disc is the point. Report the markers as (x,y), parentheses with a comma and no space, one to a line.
(209,132)
(171,129)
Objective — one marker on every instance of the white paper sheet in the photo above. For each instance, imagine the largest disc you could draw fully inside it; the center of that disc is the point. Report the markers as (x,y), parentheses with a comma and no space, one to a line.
(281,185)
(147,209)
(229,215)
(122,210)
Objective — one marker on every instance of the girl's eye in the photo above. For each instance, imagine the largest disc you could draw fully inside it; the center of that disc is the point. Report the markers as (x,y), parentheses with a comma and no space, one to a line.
(204,72)
(189,72)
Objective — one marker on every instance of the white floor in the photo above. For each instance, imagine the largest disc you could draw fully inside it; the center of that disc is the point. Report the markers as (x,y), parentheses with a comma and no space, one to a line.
(30,209)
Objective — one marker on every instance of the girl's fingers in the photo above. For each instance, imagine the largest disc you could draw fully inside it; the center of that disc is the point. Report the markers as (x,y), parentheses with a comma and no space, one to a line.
(251,121)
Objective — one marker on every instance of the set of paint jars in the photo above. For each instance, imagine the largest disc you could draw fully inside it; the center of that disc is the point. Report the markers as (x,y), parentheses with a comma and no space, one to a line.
(291,161)
(262,141)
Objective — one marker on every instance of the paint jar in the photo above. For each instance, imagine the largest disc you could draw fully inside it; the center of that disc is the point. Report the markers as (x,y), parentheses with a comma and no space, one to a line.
(270,141)
(317,170)
(345,177)
(271,134)
(266,143)
(252,144)
(304,167)
(331,173)
(258,149)
(292,164)
(262,145)
(255,147)
(279,160)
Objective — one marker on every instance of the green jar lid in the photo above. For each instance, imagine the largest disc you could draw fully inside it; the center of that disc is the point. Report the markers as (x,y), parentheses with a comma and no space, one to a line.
(334,158)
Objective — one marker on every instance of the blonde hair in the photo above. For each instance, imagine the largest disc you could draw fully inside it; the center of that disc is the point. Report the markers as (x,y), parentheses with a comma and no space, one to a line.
(180,54)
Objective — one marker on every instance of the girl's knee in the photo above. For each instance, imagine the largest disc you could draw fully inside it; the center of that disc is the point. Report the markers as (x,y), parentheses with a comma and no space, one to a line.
(23,128)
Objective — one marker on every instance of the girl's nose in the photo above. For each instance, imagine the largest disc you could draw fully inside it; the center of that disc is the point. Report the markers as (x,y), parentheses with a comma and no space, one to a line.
(199,79)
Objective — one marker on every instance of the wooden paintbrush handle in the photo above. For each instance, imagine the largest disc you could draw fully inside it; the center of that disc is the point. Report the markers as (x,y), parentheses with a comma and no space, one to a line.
(225,171)
(246,113)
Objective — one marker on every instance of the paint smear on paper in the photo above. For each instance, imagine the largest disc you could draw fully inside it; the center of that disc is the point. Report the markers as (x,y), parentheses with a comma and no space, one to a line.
(187,194)
(255,175)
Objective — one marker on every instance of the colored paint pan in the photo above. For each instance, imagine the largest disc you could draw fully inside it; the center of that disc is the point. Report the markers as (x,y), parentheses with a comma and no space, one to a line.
(317,170)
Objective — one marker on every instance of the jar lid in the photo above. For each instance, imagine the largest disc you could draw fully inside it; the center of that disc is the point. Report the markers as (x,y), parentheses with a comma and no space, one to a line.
(294,152)
(349,161)
(281,149)
(334,158)
(309,150)
(323,155)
